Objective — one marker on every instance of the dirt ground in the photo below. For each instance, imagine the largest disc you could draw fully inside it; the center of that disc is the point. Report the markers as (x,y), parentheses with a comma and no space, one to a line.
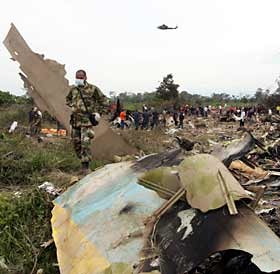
(206,132)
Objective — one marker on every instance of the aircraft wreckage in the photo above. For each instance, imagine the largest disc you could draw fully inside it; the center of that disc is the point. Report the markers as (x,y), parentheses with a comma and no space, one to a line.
(164,213)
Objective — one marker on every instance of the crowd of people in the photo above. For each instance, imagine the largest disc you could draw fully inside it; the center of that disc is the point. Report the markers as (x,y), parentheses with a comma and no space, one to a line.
(85,116)
(149,118)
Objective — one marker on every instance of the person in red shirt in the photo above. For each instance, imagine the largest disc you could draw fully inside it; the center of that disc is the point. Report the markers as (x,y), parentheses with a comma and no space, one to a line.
(122,117)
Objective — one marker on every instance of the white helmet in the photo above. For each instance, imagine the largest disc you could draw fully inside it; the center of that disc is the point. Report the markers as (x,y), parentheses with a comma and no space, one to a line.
(97,116)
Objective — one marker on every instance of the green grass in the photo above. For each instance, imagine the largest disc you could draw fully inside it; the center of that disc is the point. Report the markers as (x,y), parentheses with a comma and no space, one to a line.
(15,112)
(25,219)
(24,226)
(25,162)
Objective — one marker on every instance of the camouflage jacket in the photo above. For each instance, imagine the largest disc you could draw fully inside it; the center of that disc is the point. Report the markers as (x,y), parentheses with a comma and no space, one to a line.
(35,118)
(95,101)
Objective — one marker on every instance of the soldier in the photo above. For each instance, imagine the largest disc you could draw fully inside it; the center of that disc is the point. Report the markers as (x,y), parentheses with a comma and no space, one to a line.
(35,121)
(86,101)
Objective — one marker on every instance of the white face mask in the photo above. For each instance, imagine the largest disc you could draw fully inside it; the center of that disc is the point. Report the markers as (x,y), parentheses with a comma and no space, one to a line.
(79,82)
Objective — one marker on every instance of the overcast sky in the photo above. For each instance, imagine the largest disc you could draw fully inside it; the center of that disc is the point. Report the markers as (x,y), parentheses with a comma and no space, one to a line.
(220,46)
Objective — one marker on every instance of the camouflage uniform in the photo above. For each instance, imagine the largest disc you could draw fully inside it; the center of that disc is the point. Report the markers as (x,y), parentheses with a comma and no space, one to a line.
(35,121)
(82,129)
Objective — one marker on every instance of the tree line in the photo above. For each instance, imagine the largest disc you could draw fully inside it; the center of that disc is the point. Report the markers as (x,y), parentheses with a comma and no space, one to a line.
(8,99)
(168,93)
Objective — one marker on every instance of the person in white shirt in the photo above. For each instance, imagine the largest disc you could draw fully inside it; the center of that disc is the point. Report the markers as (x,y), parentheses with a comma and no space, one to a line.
(206,112)
(241,118)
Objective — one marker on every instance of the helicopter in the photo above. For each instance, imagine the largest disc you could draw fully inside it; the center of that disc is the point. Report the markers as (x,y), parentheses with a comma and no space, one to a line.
(165,27)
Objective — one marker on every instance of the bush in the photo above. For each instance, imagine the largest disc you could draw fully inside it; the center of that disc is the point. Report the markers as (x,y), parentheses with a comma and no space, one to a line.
(6,98)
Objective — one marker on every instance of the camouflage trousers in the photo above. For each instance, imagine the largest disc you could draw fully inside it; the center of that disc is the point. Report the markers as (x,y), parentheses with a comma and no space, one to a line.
(81,138)
(35,129)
